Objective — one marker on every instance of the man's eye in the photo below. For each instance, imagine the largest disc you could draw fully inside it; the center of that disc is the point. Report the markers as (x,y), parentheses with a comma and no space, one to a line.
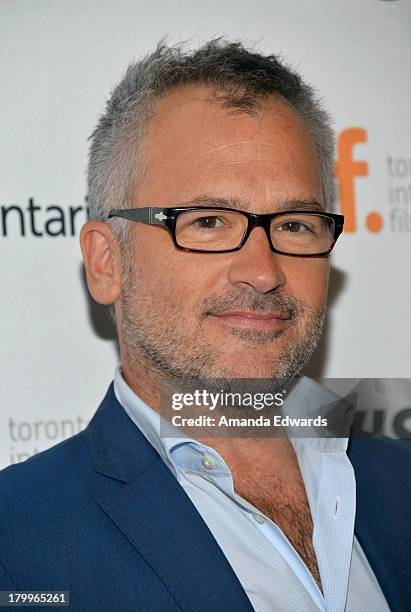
(294,226)
(207,222)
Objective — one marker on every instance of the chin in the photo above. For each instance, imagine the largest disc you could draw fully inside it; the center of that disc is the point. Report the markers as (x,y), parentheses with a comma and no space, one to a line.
(248,368)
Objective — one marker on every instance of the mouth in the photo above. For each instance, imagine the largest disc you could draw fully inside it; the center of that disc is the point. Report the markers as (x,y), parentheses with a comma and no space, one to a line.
(260,321)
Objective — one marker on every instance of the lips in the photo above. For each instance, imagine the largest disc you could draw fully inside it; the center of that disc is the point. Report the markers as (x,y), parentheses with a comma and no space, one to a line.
(244,314)
(271,320)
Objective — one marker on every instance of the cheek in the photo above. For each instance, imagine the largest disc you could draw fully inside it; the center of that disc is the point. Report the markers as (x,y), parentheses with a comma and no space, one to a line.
(308,280)
(172,279)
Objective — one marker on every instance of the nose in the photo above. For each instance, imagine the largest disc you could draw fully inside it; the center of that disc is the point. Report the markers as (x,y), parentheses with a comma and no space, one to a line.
(256,265)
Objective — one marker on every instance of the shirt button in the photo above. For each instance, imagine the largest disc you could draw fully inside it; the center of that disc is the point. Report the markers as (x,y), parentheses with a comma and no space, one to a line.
(258,518)
(208,462)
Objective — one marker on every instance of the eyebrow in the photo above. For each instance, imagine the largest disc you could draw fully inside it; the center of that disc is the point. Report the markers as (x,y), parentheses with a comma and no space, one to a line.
(233,202)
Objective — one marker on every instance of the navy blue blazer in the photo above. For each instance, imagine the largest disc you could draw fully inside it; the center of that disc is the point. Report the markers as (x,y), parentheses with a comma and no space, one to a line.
(100,515)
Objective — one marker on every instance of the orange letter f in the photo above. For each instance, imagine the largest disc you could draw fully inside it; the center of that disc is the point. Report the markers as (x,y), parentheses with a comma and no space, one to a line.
(345,169)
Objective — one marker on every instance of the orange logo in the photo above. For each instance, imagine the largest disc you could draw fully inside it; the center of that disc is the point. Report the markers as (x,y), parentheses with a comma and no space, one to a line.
(346,169)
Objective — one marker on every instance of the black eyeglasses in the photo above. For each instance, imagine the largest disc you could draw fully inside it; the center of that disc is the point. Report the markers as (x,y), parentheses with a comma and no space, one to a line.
(200,229)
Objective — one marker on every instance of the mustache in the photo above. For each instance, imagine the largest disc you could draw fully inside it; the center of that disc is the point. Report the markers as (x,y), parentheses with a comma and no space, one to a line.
(252,302)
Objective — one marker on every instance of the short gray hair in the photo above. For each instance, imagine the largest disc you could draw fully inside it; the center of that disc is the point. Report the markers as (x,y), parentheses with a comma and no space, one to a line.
(240,77)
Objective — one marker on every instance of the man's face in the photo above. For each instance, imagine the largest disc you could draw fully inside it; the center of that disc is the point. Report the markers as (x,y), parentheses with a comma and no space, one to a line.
(175,308)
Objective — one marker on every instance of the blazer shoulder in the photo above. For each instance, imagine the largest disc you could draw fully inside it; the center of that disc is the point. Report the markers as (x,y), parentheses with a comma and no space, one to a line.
(375,449)
(53,468)
(385,464)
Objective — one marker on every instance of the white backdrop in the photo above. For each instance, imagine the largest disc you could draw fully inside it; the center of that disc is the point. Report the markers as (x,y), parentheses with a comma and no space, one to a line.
(58,62)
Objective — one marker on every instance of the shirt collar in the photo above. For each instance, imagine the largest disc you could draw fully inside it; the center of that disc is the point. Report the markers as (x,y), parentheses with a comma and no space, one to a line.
(305,396)
(151,424)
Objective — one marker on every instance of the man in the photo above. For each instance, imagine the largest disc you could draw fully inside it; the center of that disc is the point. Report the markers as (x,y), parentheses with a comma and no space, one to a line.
(127,519)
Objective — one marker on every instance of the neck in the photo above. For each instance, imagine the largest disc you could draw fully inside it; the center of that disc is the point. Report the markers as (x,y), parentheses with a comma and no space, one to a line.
(252,454)
(144,379)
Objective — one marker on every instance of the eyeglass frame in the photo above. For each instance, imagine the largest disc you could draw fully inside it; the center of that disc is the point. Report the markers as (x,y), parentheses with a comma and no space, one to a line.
(167,217)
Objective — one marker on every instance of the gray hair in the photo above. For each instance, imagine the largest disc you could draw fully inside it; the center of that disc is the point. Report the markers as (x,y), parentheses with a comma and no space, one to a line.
(240,77)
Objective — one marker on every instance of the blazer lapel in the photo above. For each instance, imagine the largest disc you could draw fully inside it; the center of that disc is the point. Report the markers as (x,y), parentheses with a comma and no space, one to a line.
(137,490)
(382,524)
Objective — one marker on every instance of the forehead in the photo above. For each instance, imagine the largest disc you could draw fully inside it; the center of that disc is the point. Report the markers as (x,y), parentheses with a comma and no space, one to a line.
(192,139)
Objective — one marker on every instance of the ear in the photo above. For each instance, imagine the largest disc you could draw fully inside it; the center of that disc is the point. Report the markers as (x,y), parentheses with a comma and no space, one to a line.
(101,255)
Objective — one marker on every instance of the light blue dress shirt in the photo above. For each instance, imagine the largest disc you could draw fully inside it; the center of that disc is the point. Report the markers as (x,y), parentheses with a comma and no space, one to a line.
(272,573)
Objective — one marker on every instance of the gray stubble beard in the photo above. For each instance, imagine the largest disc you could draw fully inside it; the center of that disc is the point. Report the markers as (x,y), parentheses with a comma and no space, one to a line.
(154,338)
